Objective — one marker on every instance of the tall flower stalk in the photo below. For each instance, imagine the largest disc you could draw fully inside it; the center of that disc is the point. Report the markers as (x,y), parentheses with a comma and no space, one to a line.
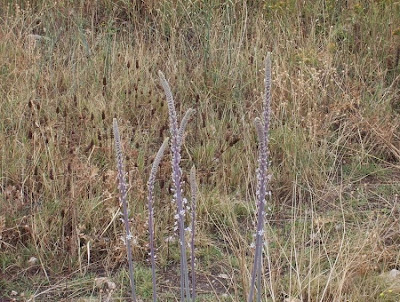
(262,128)
(150,185)
(123,200)
(176,143)
(193,188)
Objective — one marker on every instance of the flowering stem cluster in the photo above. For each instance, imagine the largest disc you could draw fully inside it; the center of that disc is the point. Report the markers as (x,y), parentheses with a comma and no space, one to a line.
(262,128)
(193,187)
(176,143)
(123,200)
(150,185)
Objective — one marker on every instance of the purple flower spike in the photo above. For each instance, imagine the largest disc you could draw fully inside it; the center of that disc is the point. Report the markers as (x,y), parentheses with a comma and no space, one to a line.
(262,128)
(122,189)
(176,144)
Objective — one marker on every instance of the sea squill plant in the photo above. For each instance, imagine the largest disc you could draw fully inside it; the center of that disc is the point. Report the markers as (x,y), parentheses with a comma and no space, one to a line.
(177,136)
(124,204)
(150,186)
(193,188)
(262,127)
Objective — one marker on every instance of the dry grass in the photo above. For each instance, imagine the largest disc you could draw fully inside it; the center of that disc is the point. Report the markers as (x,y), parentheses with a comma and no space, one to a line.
(66,70)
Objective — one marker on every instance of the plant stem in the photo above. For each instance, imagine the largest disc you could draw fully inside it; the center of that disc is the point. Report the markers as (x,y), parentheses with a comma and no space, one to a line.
(150,185)
(193,187)
(263,179)
(122,189)
(176,177)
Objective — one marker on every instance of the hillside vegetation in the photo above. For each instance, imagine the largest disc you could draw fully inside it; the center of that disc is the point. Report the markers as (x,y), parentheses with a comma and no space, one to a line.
(67,68)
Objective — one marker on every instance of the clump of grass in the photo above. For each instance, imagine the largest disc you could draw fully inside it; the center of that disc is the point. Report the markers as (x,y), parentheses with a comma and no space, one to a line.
(262,182)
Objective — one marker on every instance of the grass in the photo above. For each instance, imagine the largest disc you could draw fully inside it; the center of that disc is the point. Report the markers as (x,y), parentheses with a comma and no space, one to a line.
(334,144)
